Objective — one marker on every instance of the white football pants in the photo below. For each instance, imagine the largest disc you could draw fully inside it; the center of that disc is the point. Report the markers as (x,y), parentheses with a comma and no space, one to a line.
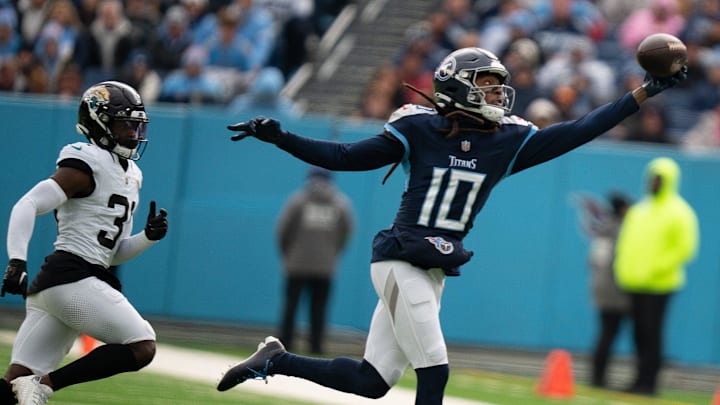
(56,316)
(405,327)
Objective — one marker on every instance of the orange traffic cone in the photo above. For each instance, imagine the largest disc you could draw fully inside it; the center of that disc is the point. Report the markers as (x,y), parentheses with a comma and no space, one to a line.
(716,397)
(557,379)
(88,343)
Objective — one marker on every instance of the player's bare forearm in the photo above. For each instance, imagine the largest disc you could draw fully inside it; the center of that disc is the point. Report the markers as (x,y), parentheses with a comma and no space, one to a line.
(640,95)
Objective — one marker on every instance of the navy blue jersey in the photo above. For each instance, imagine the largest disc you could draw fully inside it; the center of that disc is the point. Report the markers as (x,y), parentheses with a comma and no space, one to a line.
(450,178)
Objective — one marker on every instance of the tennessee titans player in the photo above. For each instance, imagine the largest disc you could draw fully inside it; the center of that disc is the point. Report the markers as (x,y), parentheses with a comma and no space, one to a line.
(454,154)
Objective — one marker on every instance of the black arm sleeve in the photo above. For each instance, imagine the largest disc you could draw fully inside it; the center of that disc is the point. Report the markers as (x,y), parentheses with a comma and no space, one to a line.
(367,154)
(555,140)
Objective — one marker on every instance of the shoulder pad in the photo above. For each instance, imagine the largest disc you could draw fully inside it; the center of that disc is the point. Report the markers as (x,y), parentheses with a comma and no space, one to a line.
(515,120)
(79,150)
(410,109)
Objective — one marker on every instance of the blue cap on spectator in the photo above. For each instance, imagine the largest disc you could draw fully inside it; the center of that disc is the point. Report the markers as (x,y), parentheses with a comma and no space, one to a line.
(51,31)
(522,20)
(8,18)
(267,85)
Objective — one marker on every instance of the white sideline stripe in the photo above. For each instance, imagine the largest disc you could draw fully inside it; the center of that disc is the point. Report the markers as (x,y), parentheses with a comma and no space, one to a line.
(208,367)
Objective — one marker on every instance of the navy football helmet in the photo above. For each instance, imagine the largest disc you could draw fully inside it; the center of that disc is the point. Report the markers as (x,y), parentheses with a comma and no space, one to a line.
(107,105)
(455,87)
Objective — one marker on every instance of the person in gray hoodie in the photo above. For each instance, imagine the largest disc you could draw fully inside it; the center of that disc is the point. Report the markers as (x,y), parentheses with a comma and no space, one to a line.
(312,231)
(601,223)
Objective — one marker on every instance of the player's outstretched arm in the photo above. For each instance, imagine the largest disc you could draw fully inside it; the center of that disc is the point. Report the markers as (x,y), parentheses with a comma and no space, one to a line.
(366,154)
(655,85)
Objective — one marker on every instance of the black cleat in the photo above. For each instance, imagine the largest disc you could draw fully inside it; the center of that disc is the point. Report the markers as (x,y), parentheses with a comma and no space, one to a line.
(259,365)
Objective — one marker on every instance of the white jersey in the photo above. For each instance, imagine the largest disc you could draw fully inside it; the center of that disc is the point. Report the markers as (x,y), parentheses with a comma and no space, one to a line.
(92,226)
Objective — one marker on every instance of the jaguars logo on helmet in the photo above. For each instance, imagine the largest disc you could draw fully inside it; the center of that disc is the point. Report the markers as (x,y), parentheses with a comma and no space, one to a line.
(96,96)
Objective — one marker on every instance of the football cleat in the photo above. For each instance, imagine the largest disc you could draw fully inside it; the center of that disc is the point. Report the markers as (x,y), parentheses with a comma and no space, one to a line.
(257,366)
(30,391)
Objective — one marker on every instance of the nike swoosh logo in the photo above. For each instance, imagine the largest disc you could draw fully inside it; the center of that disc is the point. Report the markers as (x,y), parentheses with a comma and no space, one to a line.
(77,147)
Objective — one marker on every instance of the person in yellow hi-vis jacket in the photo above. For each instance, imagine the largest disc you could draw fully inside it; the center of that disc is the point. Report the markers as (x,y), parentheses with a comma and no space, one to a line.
(657,239)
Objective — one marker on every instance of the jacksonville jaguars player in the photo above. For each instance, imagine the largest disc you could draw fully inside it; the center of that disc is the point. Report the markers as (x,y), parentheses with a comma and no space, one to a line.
(454,154)
(94,193)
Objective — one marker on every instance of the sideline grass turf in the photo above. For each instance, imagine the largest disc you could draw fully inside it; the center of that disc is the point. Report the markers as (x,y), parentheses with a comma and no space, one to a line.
(503,389)
(146,388)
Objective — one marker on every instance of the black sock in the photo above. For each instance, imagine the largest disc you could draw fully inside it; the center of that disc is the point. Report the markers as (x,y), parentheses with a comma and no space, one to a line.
(342,374)
(431,383)
(103,362)
(6,395)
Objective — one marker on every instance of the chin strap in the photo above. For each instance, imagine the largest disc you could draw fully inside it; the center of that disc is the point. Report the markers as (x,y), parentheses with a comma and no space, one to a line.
(124,152)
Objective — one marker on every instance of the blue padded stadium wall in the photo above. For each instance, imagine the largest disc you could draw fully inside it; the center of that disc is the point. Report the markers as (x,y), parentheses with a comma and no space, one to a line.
(527,286)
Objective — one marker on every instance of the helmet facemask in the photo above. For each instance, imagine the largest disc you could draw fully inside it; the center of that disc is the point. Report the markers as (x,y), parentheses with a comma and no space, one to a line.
(129,136)
(476,97)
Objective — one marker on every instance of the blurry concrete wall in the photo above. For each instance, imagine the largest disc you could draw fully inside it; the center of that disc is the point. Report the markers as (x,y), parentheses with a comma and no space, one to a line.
(526,287)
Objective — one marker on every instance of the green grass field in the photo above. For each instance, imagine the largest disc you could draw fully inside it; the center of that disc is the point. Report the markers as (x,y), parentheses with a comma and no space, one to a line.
(145,388)
(503,389)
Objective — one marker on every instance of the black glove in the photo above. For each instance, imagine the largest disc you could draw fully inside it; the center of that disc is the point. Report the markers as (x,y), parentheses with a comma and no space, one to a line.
(16,278)
(264,129)
(654,85)
(157,225)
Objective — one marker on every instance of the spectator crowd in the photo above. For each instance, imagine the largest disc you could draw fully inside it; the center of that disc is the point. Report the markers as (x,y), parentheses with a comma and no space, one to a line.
(187,51)
(567,57)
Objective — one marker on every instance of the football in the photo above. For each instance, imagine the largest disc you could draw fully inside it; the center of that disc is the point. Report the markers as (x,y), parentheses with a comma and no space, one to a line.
(661,55)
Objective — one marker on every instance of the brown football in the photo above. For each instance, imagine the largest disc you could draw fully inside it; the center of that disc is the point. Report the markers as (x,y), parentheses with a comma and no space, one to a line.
(661,55)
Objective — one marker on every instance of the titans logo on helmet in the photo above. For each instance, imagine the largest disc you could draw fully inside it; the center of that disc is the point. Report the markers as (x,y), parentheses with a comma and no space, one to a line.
(446,69)
(441,244)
